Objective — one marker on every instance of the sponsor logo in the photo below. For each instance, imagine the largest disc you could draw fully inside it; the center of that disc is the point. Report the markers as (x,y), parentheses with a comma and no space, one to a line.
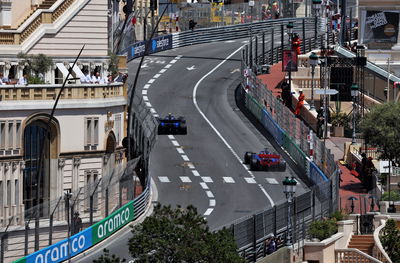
(61,250)
(112,223)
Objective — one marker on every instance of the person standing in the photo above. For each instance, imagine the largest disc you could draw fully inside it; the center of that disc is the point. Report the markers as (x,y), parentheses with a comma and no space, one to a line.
(23,80)
(320,122)
(77,227)
(296,43)
(300,103)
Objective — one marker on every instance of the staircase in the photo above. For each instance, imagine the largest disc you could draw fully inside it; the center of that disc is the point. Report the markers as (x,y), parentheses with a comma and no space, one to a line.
(364,243)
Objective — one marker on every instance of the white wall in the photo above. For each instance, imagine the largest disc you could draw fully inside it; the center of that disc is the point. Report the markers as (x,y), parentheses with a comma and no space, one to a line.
(19,10)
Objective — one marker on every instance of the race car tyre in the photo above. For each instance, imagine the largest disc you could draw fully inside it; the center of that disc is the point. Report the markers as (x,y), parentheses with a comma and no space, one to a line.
(254,165)
(160,130)
(183,129)
(247,157)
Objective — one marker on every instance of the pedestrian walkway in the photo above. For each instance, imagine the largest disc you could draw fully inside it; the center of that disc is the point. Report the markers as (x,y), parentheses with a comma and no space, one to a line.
(350,185)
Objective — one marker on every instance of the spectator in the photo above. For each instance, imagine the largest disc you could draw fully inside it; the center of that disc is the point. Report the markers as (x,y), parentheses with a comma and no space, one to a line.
(271,246)
(23,80)
(86,78)
(286,96)
(320,122)
(77,224)
(279,98)
(5,79)
(96,78)
(354,47)
(192,24)
(119,78)
(1,79)
(300,103)
(275,10)
(296,43)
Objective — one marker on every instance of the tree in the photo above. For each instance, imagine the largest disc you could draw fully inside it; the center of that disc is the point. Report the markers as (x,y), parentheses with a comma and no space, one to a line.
(391,240)
(181,235)
(35,66)
(381,127)
(106,258)
(113,63)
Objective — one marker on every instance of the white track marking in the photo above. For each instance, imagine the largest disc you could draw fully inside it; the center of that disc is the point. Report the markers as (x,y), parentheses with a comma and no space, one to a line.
(212,202)
(209,211)
(162,70)
(185,158)
(215,129)
(272,181)
(156,76)
(228,180)
(148,104)
(146,86)
(185,179)
(152,110)
(171,137)
(250,180)
(207,179)
(156,115)
(168,66)
(145,98)
(151,81)
(195,173)
(173,61)
(204,185)
(209,194)
(190,165)
(175,143)
(164,179)
(144,92)
(180,150)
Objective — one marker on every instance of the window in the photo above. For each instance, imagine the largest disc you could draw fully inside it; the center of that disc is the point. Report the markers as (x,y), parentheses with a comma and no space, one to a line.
(92,187)
(10,137)
(91,133)
(117,128)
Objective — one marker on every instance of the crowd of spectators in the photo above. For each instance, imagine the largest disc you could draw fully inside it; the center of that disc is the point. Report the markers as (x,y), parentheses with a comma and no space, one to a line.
(95,78)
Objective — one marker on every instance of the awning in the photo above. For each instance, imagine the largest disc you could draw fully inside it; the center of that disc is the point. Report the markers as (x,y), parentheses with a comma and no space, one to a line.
(62,68)
(77,70)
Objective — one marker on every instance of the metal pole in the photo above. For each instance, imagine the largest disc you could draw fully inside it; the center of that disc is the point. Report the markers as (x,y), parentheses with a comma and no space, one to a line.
(254,239)
(2,248)
(388,82)
(304,36)
(353,138)
(107,201)
(251,50)
(312,107)
(343,22)
(91,210)
(289,226)
(272,46)
(263,48)
(325,103)
(256,50)
(26,238)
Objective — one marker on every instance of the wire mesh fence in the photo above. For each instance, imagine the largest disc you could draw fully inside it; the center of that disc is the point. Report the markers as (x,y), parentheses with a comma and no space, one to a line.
(55,220)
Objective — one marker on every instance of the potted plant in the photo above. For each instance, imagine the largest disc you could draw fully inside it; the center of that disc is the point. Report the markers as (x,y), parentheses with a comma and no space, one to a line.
(339,121)
(323,229)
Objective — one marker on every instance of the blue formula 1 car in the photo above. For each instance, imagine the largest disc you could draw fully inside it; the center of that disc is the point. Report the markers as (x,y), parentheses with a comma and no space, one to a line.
(172,125)
(264,160)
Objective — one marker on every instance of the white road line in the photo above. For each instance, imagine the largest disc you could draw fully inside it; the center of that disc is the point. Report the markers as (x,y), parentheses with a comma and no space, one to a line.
(190,165)
(171,137)
(250,180)
(204,185)
(211,202)
(228,180)
(178,57)
(156,115)
(215,129)
(162,70)
(180,150)
(208,212)
(144,92)
(168,66)
(184,157)
(272,181)
(148,104)
(175,143)
(185,179)
(195,173)
(209,194)
(152,110)
(146,86)
(145,98)
(173,61)
(164,179)
(207,179)
(151,81)
(156,76)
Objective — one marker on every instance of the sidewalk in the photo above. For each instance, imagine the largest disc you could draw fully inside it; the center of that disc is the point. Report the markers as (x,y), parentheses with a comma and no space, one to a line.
(350,185)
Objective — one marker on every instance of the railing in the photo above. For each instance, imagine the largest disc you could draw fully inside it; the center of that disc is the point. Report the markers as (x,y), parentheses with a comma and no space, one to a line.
(351,255)
(378,251)
(39,17)
(49,92)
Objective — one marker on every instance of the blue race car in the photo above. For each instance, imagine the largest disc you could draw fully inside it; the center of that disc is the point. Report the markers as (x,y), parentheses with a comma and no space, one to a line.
(264,160)
(172,125)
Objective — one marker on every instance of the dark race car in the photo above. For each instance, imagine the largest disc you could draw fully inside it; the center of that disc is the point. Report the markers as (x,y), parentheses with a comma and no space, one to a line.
(264,160)
(172,125)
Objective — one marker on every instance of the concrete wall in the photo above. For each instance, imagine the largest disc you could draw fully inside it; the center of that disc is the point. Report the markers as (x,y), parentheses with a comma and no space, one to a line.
(282,255)
(88,26)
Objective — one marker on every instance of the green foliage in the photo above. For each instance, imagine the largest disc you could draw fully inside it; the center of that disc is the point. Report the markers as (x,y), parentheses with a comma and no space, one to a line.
(35,80)
(394,196)
(106,258)
(180,235)
(338,215)
(381,128)
(323,229)
(113,63)
(339,119)
(390,240)
(36,64)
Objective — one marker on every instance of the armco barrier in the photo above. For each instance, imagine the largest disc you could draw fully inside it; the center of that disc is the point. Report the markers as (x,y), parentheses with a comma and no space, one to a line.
(92,235)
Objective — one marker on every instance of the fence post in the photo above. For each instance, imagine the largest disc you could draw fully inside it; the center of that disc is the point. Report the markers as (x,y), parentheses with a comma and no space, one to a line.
(272,46)
(251,51)
(313,203)
(315,28)
(275,220)
(91,209)
(304,36)
(263,47)
(254,239)
(256,50)
(26,238)
(3,247)
(106,201)
(282,38)
(51,229)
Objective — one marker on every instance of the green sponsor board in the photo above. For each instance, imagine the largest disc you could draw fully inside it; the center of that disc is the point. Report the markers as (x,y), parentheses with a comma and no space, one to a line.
(113,222)
(21,260)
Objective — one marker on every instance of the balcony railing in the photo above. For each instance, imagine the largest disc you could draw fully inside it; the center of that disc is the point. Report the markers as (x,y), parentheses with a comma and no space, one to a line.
(49,92)
(351,255)
(378,251)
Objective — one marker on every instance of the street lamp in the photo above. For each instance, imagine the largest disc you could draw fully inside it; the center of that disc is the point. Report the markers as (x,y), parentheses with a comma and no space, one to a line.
(313,59)
(289,27)
(289,188)
(354,95)
(251,5)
